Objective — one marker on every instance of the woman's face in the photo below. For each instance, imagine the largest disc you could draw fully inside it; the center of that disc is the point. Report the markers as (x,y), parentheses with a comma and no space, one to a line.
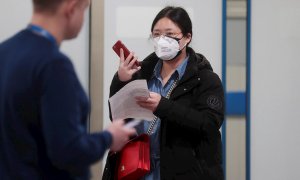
(166,27)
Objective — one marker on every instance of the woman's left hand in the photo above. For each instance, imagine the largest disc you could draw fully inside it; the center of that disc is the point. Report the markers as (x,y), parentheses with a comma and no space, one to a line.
(150,103)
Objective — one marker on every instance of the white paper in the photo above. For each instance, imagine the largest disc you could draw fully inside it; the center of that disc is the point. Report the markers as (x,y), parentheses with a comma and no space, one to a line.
(123,104)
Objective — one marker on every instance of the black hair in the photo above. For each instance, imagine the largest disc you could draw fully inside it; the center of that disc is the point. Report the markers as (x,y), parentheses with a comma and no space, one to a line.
(46,5)
(178,15)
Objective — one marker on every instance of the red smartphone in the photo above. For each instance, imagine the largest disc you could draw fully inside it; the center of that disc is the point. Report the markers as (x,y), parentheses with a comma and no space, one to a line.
(118,45)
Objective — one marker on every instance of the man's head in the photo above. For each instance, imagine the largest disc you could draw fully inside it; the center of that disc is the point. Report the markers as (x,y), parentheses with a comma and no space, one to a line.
(67,15)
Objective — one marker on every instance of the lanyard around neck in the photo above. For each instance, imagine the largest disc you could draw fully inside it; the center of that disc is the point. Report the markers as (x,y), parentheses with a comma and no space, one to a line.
(42,32)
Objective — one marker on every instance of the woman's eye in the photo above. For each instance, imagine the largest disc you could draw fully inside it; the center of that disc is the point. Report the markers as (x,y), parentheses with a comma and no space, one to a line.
(156,34)
(170,34)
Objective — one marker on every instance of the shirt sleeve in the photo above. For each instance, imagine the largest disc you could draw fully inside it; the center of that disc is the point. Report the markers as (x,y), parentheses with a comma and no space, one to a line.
(68,144)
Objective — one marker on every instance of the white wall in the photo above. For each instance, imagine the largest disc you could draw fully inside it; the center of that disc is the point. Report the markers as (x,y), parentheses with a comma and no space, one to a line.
(275,87)
(130,21)
(15,15)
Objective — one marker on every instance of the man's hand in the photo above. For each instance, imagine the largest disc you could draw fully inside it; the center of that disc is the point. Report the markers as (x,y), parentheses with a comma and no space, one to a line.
(120,134)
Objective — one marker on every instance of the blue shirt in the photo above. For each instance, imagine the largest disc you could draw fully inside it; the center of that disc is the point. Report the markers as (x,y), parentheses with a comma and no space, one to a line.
(43,113)
(155,84)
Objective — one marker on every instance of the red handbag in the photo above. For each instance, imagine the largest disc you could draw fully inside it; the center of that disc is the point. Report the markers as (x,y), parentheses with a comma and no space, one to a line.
(134,160)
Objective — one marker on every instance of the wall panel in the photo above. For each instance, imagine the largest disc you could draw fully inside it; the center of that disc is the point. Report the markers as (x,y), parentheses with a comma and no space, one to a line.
(275,87)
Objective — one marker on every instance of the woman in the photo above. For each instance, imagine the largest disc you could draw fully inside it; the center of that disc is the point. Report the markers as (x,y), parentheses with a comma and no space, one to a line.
(185,139)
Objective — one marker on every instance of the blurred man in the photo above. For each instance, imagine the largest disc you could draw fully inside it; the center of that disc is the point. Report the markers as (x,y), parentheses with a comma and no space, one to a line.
(43,107)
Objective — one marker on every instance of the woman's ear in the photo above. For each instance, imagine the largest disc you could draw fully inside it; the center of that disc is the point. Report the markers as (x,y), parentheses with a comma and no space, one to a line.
(188,38)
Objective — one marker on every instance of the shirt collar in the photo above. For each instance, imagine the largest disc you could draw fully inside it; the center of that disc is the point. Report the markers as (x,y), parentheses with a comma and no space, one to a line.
(179,70)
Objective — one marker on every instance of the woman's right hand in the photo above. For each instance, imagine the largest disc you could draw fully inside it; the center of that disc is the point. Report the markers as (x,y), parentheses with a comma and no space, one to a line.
(127,67)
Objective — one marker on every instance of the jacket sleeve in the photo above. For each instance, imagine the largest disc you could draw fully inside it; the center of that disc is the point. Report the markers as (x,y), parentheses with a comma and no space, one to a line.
(68,144)
(116,85)
(206,112)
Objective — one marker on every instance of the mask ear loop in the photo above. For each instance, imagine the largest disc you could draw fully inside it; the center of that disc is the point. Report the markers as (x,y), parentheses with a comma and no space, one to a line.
(178,39)
(183,47)
(184,44)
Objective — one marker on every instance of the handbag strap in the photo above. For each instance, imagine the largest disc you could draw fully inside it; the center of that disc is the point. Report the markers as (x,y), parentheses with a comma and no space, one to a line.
(149,132)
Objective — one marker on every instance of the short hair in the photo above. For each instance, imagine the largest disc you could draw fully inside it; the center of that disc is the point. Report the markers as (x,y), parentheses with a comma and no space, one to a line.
(177,15)
(46,5)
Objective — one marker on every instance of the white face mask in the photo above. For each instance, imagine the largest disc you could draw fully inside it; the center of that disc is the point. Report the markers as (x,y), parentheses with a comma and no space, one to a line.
(166,48)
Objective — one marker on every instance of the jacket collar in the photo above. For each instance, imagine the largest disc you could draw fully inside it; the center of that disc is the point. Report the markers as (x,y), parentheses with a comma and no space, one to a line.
(196,63)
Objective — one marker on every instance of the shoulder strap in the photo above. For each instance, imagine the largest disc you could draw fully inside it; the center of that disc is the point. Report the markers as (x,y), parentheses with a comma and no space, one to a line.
(149,132)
